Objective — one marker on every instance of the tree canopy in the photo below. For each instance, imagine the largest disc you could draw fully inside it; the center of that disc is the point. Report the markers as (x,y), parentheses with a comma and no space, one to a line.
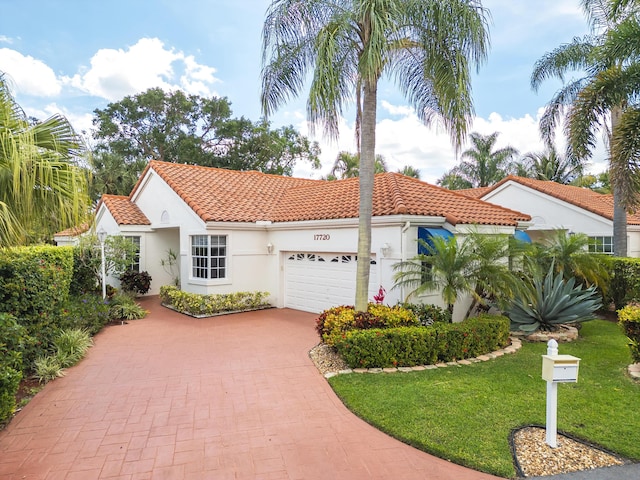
(176,127)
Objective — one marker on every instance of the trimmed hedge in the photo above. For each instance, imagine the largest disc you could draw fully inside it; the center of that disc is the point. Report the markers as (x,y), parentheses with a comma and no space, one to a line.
(332,324)
(410,346)
(34,288)
(13,338)
(625,280)
(629,317)
(204,305)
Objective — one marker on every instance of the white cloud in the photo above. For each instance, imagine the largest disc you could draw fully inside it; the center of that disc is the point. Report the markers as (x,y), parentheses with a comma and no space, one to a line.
(406,141)
(29,75)
(5,39)
(114,74)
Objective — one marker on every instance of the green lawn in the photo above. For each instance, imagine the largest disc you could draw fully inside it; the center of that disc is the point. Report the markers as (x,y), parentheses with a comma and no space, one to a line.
(465,414)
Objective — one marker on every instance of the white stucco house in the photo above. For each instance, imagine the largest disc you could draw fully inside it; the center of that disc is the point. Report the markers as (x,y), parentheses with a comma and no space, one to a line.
(555,206)
(295,238)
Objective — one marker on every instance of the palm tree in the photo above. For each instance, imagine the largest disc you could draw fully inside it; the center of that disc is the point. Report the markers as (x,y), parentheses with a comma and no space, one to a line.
(551,165)
(482,165)
(475,266)
(347,165)
(410,171)
(42,190)
(453,181)
(426,46)
(596,100)
(113,175)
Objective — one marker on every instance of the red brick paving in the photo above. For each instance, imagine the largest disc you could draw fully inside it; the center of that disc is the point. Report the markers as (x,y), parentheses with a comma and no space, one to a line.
(231,397)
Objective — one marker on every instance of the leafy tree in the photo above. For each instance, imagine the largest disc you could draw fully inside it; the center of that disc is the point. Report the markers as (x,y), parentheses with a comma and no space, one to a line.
(426,46)
(482,164)
(176,127)
(598,99)
(598,183)
(113,175)
(552,166)
(42,188)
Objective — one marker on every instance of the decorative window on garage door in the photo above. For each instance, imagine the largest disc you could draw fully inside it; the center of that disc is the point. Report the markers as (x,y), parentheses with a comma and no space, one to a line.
(331,258)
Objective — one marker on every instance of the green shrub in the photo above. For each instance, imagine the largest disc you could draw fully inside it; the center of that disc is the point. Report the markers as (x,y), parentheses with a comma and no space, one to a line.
(89,312)
(333,323)
(428,313)
(86,265)
(197,304)
(629,318)
(9,384)
(71,346)
(48,368)
(625,281)
(34,287)
(419,345)
(136,282)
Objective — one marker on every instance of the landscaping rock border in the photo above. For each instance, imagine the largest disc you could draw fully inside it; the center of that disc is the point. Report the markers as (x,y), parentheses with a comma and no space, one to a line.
(515,345)
(204,315)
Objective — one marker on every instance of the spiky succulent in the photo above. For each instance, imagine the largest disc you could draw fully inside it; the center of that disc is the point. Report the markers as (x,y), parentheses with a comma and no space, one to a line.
(552,302)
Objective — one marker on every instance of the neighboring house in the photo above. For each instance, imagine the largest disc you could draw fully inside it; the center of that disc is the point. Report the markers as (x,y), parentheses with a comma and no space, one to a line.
(555,206)
(295,238)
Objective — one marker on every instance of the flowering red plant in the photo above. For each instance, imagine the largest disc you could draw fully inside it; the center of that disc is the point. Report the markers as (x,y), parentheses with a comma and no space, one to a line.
(379,298)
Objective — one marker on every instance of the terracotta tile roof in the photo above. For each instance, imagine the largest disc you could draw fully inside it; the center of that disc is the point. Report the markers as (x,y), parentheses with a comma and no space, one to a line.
(234,196)
(594,202)
(124,211)
(474,192)
(73,231)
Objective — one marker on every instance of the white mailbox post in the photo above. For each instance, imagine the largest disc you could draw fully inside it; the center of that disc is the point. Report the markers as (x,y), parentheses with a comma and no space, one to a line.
(556,369)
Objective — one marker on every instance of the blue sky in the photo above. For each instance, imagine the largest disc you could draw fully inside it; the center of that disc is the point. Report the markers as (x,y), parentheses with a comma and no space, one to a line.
(73,56)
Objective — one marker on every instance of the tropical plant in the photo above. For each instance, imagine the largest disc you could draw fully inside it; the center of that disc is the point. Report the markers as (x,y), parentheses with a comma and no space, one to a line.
(476,266)
(603,98)
(71,346)
(347,165)
(482,164)
(48,368)
(552,166)
(42,190)
(135,282)
(169,264)
(553,301)
(410,171)
(123,307)
(426,46)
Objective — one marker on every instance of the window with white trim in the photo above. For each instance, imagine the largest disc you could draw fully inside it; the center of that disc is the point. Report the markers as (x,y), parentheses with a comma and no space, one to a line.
(601,244)
(134,266)
(209,256)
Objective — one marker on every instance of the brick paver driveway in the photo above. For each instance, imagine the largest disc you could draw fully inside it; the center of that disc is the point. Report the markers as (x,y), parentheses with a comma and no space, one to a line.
(228,397)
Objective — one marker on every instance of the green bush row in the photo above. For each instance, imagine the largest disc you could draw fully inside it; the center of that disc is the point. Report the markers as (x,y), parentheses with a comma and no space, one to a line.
(629,318)
(198,304)
(419,345)
(13,338)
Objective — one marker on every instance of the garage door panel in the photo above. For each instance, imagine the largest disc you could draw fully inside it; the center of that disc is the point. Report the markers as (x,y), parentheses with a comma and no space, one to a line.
(315,282)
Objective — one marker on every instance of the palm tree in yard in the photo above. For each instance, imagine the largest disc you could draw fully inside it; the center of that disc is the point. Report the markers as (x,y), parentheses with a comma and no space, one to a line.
(347,165)
(551,165)
(482,164)
(603,98)
(410,171)
(42,190)
(427,47)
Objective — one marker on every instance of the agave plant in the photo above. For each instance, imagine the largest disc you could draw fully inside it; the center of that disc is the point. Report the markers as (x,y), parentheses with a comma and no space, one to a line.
(552,302)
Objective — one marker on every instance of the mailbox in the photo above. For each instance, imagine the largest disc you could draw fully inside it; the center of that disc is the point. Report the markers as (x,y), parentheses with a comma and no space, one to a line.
(560,368)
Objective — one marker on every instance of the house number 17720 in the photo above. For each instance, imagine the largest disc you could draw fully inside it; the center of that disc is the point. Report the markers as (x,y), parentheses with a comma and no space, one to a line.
(322,236)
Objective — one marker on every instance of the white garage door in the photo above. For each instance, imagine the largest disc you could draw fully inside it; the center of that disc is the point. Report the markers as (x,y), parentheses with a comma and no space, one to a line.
(315,282)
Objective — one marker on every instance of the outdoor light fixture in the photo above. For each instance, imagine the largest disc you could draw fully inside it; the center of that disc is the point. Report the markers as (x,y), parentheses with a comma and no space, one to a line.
(269,248)
(386,249)
(102,236)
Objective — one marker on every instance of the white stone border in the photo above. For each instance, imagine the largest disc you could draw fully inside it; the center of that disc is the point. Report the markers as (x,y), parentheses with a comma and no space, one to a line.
(516,343)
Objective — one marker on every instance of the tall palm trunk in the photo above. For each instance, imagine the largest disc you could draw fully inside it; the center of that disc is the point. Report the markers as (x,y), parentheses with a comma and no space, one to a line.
(619,208)
(367,161)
